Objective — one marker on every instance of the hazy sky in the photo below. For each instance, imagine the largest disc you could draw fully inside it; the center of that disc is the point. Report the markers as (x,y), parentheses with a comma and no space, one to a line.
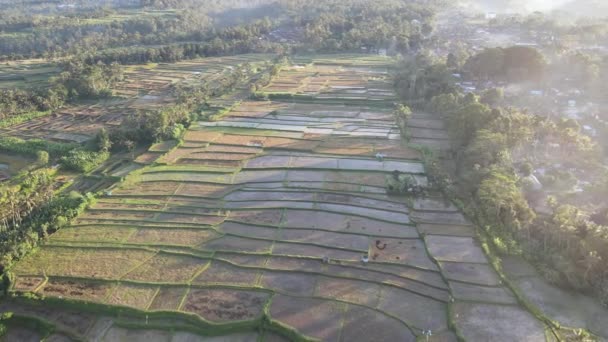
(510,6)
(543,5)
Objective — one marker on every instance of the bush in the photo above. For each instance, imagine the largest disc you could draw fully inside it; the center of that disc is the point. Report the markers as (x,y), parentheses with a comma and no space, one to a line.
(33,146)
(7,281)
(83,161)
(42,158)
(21,118)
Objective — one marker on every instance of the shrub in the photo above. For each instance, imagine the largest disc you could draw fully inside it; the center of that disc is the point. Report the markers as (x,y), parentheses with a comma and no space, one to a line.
(33,146)
(83,161)
(42,158)
(7,280)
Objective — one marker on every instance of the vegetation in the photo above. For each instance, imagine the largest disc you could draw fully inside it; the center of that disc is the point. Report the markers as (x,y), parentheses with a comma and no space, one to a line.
(79,80)
(516,63)
(83,161)
(566,245)
(185,29)
(30,211)
(33,146)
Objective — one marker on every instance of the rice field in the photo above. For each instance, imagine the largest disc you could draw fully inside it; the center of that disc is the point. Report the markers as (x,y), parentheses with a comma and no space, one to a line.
(277,216)
(145,87)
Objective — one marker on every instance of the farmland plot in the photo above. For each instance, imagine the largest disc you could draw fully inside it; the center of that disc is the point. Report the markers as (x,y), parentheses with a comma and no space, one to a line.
(278,216)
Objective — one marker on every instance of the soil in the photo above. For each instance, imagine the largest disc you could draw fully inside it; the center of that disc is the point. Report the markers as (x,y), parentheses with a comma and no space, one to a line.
(89,291)
(223,305)
(27,284)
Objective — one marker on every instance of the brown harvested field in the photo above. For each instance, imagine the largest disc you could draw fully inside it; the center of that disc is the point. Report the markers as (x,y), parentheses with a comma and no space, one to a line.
(219,156)
(249,150)
(255,141)
(291,144)
(175,155)
(272,205)
(148,158)
(202,190)
(270,217)
(126,207)
(172,236)
(251,260)
(219,163)
(163,146)
(202,136)
(168,299)
(223,305)
(27,284)
(92,263)
(168,268)
(149,189)
(184,218)
(233,243)
(81,290)
(220,272)
(127,215)
(135,296)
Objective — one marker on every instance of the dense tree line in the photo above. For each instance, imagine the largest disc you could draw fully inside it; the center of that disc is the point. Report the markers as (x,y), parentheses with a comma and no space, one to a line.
(326,25)
(516,63)
(333,25)
(81,80)
(30,211)
(17,101)
(77,80)
(230,41)
(89,28)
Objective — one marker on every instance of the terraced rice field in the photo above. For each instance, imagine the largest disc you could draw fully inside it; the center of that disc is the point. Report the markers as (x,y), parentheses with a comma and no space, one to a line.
(26,73)
(262,220)
(352,80)
(146,87)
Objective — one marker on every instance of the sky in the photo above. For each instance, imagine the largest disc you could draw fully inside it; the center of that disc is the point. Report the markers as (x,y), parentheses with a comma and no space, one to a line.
(543,5)
(510,6)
